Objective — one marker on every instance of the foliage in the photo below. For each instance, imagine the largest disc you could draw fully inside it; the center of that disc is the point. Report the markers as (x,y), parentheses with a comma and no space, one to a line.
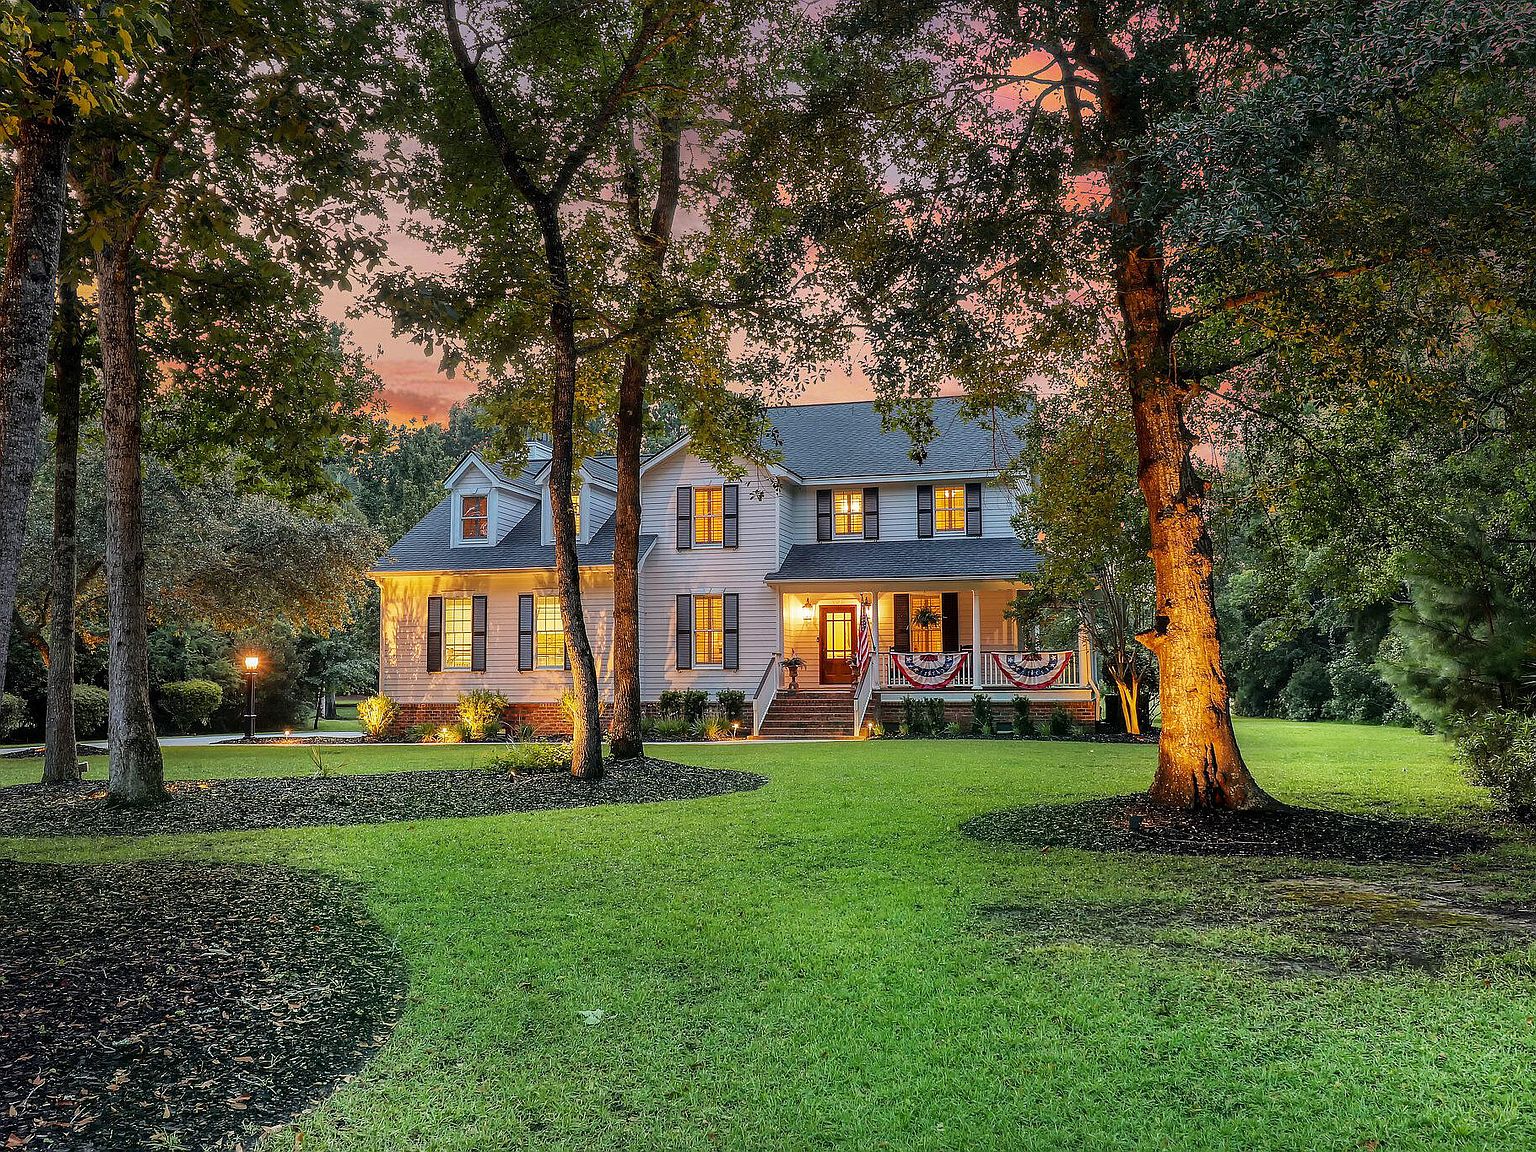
(421,734)
(480,712)
(189,704)
(982,720)
(1060,723)
(526,759)
(732,702)
(914,718)
(376,714)
(13,713)
(69,53)
(90,710)
(1498,751)
(1023,720)
(715,728)
(670,728)
(688,705)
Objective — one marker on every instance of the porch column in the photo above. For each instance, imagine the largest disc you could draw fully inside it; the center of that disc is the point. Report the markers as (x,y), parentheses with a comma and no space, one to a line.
(874,636)
(975,637)
(1085,656)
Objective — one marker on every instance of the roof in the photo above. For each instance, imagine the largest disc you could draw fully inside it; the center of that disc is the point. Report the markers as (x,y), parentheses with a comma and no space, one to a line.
(1001,557)
(426,547)
(825,440)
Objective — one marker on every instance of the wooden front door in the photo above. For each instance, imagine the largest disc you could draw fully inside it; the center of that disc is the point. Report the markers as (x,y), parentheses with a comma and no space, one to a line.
(837,641)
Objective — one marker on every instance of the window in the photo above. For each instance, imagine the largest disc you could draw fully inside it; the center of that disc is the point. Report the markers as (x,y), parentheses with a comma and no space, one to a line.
(949,509)
(458,631)
(576,509)
(709,516)
(548,633)
(474,518)
(708,630)
(927,624)
(848,513)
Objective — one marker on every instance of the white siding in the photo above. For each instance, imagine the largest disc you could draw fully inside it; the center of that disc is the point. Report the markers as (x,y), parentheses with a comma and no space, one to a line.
(898,511)
(597,506)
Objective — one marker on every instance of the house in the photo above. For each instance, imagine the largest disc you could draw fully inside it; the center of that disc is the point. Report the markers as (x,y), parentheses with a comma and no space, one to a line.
(846,532)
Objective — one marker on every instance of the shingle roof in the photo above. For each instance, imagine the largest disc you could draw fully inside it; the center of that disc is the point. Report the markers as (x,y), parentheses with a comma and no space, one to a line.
(848,440)
(426,547)
(1000,557)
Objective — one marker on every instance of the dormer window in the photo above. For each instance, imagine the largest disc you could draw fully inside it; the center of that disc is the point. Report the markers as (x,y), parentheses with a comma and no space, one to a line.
(576,510)
(474,518)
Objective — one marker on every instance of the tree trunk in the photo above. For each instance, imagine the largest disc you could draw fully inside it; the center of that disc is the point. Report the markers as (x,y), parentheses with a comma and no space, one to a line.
(60,762)
(137,773)
(27,294)
(625,728)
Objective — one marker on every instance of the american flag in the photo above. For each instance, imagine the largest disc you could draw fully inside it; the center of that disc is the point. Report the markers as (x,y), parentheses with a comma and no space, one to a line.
(864,648)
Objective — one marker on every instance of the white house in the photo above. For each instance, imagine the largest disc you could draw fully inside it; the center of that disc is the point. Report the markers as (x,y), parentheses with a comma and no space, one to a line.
(848,532)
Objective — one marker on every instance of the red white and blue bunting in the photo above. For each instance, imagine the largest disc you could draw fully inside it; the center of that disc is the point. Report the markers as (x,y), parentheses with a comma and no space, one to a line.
(1031,669)
(929,670)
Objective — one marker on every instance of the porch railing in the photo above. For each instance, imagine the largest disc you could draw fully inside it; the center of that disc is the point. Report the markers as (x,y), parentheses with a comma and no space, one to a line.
(767,689)
(961,671)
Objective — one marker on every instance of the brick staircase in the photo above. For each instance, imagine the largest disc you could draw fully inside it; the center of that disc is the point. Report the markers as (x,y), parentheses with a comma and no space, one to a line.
(811,714)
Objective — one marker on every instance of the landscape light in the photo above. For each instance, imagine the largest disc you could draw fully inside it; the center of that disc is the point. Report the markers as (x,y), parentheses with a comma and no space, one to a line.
(252,662)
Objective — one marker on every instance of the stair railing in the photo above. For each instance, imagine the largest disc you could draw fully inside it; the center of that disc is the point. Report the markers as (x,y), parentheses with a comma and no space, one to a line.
(768,683)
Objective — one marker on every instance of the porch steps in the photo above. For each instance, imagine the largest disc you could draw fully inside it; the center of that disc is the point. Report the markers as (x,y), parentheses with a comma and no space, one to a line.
(809,715)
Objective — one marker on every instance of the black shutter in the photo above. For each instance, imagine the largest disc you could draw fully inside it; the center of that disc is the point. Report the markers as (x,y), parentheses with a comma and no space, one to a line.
(728,502)
(949,627)
(901,622)
(871,513)
(973,509)
(823,514)
(434,634)
(924,511)
(524,632)
(685,632)
(730,615)
(477,641)
(684,519)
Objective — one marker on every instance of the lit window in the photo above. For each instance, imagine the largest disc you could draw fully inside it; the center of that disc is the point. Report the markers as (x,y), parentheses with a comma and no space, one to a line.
(474,517)
(548,633)
(709,630)
(848,513)
(949,509)
(458,630)
(709,516)
(927,624)
(576,509)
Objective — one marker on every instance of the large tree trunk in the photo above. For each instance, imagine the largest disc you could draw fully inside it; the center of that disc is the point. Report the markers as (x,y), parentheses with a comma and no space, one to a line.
(60,763)
(137,771)
(27,294)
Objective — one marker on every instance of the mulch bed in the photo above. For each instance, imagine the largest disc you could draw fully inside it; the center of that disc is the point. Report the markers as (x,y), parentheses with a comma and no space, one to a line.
(175,1005)
(338,738)
(37,753)
(1135,824)
(309,801)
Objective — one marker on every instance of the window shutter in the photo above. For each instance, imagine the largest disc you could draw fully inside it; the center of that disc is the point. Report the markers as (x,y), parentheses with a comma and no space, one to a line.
(685,632)
(477,640)
(524,632)
(728,502)
(684,519)
(434,634)
(730,640)
(871,513)
(901,622)
(823,514)
(949,626)
(973,509)
(924,511)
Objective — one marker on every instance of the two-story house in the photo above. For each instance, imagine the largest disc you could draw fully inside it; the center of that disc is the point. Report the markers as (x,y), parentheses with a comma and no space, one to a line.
(846,536)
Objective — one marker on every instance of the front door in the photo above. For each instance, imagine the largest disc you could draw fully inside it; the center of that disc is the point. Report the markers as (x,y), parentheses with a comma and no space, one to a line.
(837,642)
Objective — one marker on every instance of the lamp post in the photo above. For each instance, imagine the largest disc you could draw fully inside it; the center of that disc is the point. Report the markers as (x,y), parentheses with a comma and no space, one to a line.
(251,664)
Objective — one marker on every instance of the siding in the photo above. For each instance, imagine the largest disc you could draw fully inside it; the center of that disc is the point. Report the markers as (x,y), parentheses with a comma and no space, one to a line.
(898,512)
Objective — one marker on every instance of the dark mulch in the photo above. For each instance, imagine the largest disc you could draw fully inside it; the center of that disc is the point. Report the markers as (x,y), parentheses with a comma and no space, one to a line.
(310,740)
(308,801)
(37,753)
(177,1005)
(1135,824)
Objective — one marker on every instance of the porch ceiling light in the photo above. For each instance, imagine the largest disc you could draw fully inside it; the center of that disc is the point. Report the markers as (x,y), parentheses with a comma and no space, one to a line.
(806,611)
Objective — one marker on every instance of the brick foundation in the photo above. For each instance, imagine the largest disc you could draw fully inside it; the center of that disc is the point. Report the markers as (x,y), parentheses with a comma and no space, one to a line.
(959,711)
(547,717)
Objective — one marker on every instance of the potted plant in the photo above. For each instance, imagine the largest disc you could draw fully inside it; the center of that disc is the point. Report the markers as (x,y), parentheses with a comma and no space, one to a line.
(792,664)
(926,617)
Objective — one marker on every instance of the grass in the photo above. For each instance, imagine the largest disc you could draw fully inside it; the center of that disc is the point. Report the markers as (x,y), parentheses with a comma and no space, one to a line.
(809,965)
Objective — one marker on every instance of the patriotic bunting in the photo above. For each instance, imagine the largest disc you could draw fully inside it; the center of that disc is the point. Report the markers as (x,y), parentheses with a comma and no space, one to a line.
(1031,669)
(929,669)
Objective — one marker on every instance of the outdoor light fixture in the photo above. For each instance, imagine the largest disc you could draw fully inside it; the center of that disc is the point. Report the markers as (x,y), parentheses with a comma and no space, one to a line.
(252,662)
(806,611)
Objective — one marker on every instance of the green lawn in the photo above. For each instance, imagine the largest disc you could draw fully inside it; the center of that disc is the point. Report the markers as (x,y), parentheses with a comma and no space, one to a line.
(810,966)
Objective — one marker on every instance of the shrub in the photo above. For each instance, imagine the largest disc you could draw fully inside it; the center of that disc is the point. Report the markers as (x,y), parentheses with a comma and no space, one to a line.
(376,714)
(732,703)
(450,734)
(535,757)
(480,712)
(1061,722)
(571,707)
(694,704)
(90,710)
(716,728)
(938,720)
(914,718)
(189,703)
(13,714)
(953,730)
(525,732)
(420,734)
(981,714)
(670,703)
(672,728)
(1498,752)
(1023,721)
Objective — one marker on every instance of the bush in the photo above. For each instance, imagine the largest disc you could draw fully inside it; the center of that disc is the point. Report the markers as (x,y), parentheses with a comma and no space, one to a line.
(1061,723)
(716,728)
(532,758)
(13,714)
(914,718)
(480,712)
(672,728)
(938,720)
(376,714)
(1023,720)
(420,734)
(525,732)
(733,704)
(90,710)
(189,703)
(982,722)
(689,705)
(1498,751)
